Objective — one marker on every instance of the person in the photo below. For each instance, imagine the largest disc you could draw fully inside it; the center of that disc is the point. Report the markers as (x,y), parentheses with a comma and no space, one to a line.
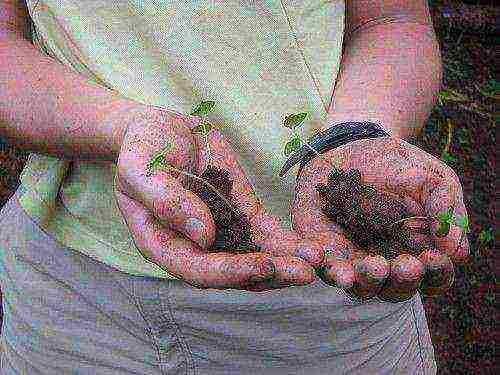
(106,269)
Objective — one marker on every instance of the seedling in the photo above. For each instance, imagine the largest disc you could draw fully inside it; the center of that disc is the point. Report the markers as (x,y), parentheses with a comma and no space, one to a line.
(369,217)
(445,220)
(232,226)
(292,122)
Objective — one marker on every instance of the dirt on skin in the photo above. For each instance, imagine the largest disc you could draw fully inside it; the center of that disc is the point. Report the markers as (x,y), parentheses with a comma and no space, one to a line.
(232,226)
(463,321)
(367,215)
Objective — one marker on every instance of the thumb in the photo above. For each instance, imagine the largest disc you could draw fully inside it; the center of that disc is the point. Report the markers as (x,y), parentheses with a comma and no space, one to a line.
(173,205)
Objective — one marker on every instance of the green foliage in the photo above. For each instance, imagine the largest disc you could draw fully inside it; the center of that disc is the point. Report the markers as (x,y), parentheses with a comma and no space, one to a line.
(292,145)
(445,220)
(486,236)
(450,95)
(157,160)
(292,121)
(203,128)
(474,281)
(490,90)
(203,108)
(463,222)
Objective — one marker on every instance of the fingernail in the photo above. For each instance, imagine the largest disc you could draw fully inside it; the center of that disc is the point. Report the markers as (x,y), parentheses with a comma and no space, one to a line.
(313,256)
(267,272)
(195,230)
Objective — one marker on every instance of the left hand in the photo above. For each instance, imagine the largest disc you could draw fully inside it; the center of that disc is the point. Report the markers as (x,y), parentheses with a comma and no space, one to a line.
(424,184)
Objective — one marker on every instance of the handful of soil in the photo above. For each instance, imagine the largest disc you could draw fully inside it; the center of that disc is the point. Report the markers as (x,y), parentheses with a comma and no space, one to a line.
(232,225)
(366,216)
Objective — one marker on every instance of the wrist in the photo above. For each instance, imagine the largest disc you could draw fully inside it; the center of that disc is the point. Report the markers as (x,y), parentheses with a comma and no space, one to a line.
(331,137)
(127,114)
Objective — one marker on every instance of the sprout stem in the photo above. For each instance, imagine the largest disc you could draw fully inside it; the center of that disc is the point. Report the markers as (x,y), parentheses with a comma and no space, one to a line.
(413,217)
(205,182)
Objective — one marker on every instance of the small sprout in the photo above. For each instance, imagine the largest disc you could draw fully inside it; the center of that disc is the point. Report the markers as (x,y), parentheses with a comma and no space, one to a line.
(292,145)
(203,108)
(292,121)
(157,159)
(463,222)
(203,128)
(445,220)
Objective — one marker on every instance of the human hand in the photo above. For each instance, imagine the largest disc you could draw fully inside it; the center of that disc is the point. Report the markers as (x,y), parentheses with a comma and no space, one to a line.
(173,227)
(424,184)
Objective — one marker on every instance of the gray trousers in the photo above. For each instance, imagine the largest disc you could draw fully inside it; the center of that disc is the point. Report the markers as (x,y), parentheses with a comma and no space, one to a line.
(66,313)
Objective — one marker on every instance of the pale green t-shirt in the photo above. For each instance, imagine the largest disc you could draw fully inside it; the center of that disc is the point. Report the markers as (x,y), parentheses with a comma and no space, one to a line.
(175,54)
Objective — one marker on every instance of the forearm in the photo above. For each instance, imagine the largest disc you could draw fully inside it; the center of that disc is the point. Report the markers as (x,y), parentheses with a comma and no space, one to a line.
(48,109)
(390,74)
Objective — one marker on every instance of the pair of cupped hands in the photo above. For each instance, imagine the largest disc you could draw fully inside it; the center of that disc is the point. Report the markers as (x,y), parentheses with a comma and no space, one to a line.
(173,228)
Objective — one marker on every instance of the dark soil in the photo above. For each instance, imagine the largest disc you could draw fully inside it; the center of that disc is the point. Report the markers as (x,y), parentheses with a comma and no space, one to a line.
(232,226)
(462,321)
(366,215)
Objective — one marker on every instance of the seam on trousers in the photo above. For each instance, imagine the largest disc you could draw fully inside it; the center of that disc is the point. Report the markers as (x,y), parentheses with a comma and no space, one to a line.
(418,336)
(190,366)
(152,311)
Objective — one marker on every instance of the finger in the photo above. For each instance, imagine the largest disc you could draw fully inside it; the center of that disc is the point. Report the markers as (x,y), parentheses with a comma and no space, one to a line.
(286,243)
(338,273)
(173,205)
(289,271)
(438,200)
(184,259)
(438,272)
(405,276)
(340,253)
(370,274)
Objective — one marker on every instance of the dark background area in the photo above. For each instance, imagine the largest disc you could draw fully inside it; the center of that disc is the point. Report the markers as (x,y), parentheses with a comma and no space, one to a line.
(461,131)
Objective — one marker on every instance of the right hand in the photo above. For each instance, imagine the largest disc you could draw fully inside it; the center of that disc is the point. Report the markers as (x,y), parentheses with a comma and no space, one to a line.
(161,212)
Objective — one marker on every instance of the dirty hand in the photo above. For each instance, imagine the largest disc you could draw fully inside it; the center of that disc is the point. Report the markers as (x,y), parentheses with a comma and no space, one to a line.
(173,227)
(424,184)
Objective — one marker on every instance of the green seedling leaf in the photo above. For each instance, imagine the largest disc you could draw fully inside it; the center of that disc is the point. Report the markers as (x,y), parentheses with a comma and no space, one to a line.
(292,121)
(292,145)
(486,236)
(203,108)
(445,220)
(463,222)
(157,159)
(203,128)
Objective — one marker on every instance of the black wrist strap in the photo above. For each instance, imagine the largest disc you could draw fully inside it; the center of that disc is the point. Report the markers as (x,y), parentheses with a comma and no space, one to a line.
(331,138)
